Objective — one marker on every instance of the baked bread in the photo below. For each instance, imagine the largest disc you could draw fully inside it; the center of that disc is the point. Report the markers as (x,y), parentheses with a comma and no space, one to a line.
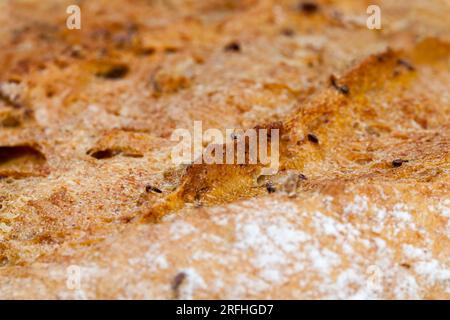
(360,207)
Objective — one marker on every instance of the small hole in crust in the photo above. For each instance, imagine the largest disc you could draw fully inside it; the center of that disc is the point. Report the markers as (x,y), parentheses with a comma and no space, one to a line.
(21,161)
(113,71)
(110,153)
(103,154)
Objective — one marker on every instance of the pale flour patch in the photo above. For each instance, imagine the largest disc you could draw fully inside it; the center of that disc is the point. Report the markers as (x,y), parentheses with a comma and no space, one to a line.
(433,271)
(323,260)
(380,215)
(358,206)
(427,267)
(180,229)
(351,284)
(400,212)
(414,253)
(406,287)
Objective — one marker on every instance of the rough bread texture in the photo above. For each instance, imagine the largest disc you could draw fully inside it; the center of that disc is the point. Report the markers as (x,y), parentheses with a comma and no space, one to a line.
(359,209)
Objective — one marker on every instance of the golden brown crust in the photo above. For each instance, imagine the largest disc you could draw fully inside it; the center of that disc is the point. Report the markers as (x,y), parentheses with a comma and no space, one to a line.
(361,205)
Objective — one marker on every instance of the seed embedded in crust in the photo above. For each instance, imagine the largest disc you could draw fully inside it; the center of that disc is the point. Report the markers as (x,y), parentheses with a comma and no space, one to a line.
(177,282)
(153,189)
(233,47)
(113,72)
(398,162)
(406,64)
(270,188)
(341,88)
(308,7)
(313,138)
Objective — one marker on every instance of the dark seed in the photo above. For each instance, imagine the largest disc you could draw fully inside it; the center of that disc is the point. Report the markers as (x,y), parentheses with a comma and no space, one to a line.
(406,265)
(312,138)
(153,189)
(341,88)
(103,154)
(406,64)
(398,162)
(233,46)
(301,176)
(308,7)
(177,282)
(344,89)
(114,72)
(270,188)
